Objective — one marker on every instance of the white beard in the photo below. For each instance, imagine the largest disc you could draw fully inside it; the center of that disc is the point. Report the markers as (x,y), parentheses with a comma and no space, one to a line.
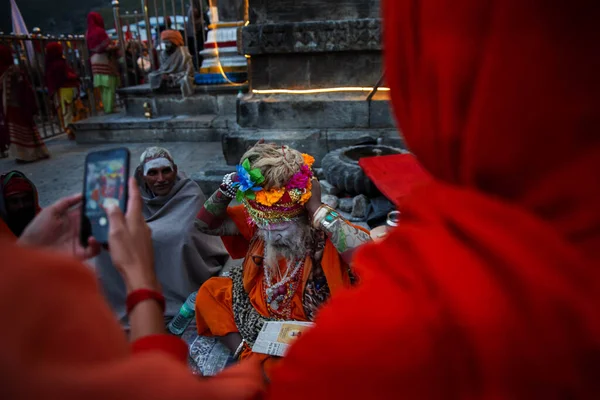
(293,246)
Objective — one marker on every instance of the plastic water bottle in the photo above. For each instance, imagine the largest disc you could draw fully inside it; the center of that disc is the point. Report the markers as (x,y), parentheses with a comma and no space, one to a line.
(186,315)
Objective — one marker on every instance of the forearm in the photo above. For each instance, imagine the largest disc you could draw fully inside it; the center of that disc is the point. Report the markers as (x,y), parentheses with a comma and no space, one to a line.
(344,236)
(212,218)
(147,317)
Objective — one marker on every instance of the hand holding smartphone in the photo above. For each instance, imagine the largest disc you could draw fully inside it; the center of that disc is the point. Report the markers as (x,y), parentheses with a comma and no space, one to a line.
(104,185)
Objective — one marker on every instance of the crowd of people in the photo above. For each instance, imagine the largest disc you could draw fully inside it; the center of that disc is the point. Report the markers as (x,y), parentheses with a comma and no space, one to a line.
(175,68)
(487,288)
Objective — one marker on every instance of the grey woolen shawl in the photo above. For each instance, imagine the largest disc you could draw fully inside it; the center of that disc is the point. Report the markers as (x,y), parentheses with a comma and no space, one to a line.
(184,257)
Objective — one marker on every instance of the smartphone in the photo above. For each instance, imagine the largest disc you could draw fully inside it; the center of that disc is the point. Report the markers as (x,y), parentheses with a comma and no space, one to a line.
(104,185)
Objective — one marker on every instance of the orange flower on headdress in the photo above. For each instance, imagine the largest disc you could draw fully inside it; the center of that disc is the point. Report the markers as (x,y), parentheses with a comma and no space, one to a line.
(308,159)
(269,197)
(307,195)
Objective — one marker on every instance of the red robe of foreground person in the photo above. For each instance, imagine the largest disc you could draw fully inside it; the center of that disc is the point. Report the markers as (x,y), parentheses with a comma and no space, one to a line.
(489,288)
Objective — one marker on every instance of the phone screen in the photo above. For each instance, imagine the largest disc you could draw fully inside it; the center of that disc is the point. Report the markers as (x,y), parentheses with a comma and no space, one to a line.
(105,185)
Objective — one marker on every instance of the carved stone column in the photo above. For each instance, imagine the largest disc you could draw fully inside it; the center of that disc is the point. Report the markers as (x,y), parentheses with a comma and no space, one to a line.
(308,45)
(313,44)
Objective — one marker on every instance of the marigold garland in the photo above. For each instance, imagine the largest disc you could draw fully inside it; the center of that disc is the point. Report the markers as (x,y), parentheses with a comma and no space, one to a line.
(269,197)
(308,160)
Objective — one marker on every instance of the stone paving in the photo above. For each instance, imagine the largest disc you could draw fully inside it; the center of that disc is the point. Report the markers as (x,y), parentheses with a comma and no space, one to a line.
(62,174)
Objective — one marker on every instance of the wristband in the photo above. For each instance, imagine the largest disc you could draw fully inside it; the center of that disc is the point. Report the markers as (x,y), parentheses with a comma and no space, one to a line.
(324,216)
(139,295)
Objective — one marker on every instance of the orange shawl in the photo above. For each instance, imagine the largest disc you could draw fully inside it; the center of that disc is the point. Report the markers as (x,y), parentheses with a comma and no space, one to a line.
(214,302)
(490,287)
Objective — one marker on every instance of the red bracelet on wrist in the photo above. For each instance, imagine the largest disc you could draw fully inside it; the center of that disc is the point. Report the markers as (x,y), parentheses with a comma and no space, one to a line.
(139,295)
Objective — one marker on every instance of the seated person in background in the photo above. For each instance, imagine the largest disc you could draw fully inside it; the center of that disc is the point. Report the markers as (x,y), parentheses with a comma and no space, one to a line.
(184,257)
(176,66)
(18,201)
(296,249)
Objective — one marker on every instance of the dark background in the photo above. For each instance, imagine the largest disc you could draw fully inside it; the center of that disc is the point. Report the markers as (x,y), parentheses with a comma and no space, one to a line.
(69,16)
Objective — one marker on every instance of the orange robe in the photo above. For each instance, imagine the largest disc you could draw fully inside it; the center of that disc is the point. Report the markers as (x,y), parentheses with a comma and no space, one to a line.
(214,313)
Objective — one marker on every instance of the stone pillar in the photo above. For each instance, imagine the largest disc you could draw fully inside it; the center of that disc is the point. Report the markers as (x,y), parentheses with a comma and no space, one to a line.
(312,45)
(222,63)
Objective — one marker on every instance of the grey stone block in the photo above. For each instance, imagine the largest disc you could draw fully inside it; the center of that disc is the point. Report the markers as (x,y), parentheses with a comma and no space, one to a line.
(125,129)
(342,69)
(337,138)
(346,204)
(330,200)
(360,206)
(328,188)
(208,183)
(265,11)
(307,141)
(311,36)
(303,112)
(217,99)
(315,71)
(380,114)
(226,104)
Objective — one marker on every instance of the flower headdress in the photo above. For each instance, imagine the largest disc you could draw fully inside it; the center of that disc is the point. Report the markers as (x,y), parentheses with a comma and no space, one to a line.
(277,204)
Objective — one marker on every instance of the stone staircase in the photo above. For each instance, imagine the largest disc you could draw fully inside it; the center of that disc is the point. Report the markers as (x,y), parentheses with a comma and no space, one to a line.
(205,116)
(315,124)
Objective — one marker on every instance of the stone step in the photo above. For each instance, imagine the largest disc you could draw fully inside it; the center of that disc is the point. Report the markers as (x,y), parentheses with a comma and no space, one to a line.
(316,142)
(212,174)
(320,111)
(209,99)
(120,128)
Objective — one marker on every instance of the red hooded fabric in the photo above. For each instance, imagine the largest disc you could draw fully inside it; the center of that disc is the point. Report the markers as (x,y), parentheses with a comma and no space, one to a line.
(96,36)
(58,72)
(489,287)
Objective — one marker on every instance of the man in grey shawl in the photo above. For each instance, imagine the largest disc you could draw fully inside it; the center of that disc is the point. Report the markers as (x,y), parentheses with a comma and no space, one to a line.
(184,257)
(176,65)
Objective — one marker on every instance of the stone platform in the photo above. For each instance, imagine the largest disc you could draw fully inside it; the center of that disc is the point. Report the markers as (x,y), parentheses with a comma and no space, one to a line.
(316,142)
(205,116)
(207,99)
(120,128)
(316,111)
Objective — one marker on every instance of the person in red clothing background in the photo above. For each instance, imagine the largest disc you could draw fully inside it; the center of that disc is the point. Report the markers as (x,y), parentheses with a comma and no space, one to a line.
(63,86)
(63,341)
(489,288)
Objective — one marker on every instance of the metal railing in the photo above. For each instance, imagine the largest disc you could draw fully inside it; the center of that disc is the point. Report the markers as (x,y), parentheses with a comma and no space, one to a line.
(145,36)
(30,54)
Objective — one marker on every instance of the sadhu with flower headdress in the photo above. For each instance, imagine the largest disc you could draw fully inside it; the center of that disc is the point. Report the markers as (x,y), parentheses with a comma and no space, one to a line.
(295,248)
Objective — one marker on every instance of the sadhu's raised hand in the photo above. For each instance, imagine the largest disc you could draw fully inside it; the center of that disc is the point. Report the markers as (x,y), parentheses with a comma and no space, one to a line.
(58,227)
(313,204)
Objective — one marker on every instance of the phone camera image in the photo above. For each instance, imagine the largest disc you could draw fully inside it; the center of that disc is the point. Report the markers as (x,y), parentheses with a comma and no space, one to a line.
(105,187)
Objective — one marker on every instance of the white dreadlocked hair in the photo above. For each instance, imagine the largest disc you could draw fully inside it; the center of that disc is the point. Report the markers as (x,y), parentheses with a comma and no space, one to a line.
(277,163)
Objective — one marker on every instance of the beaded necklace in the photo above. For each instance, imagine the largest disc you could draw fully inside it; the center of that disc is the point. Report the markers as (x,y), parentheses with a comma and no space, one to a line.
(279,295)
